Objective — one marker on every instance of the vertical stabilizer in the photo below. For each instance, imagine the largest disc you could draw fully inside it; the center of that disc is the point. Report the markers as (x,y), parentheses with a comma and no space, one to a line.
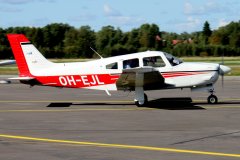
(29,60)
(15,40)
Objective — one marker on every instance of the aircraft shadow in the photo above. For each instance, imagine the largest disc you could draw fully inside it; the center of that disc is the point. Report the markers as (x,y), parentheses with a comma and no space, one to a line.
(105,104)
(182,103)
(219,103)
(179,103)
(86,104)
(162,103)
(59,105)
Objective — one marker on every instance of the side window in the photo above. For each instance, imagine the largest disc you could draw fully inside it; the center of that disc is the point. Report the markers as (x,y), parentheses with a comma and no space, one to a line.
(112,66)
(155,61)
(131,63)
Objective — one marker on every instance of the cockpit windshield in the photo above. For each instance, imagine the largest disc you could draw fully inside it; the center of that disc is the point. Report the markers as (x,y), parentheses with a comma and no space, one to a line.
(174,61)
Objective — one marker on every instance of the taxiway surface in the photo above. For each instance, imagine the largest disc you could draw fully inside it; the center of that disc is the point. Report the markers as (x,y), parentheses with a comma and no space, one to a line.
(50,123)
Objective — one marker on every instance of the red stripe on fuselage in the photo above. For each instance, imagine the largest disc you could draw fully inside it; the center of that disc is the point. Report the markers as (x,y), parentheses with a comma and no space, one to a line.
(78,81)
(180,74)
(81,81)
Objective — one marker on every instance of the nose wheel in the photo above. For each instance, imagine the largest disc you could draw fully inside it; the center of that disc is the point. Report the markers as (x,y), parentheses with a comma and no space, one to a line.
(212,99)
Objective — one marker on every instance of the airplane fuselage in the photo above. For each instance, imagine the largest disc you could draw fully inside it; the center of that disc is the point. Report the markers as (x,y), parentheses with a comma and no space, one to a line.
(95,74)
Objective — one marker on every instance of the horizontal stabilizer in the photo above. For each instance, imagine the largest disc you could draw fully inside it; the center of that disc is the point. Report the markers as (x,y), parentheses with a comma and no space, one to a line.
(21,78)
(7,62)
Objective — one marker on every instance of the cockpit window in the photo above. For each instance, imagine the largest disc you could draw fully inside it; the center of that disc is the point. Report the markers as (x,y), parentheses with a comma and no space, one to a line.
(131,63)
(173,60)
(155,61)
(112,66)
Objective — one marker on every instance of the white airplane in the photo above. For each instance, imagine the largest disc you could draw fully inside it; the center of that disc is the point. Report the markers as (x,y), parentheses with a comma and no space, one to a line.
(150,70)
(7,62)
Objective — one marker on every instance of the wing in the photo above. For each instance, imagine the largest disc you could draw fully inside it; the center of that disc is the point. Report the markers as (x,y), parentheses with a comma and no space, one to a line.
(146,77)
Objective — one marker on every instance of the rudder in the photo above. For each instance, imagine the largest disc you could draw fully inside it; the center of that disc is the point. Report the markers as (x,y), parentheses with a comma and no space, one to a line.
(15,42)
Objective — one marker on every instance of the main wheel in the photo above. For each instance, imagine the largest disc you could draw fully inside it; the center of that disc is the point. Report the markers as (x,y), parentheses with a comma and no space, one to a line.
(142,104)
(212,99)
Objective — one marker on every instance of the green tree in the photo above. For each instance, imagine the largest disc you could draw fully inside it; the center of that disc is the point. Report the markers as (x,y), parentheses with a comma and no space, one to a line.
(86,39)
(71,47)
(132,43)
(147,36)
(206,29)
(5,51)
(61,40)
(77,43)
(36,36)
(108,37)
(234,35)
(206,33)
(53,36)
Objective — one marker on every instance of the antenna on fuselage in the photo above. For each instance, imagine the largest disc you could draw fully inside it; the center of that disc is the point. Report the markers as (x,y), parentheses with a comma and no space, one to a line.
(96,52)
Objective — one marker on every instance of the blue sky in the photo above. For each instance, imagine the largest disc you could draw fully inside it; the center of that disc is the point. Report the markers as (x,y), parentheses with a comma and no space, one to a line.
(170,15)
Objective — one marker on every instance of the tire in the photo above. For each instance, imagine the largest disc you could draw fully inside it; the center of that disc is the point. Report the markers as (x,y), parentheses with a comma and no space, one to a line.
(212,99)
(144,103)
(139,104)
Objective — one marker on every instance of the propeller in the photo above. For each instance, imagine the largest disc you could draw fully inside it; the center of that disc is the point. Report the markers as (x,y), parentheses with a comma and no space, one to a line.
(222,69)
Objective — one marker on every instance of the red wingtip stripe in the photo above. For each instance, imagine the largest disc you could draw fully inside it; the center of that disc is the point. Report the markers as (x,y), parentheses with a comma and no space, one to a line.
(15,40)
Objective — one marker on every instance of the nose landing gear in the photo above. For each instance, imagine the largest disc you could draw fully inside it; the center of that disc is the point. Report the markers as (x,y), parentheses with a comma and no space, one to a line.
(212,99)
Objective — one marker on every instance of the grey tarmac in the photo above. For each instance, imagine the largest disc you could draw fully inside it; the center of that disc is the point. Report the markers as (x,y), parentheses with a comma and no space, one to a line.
(71,124)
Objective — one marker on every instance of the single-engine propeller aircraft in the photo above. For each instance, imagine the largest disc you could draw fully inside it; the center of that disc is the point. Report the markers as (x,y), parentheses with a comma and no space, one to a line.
(150,70)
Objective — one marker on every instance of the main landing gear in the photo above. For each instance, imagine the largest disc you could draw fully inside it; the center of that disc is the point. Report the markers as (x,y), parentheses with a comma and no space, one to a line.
(212,99)
(141,98)
(142,103)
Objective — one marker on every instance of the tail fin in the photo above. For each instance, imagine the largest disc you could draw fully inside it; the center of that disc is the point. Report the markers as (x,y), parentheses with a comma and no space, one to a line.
(29,60)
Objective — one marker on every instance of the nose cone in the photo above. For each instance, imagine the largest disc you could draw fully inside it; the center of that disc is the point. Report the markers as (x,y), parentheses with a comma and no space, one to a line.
(224,69)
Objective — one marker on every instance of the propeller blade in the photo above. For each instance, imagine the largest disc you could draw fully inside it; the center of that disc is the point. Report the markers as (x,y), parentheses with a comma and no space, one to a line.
(222,59)
(222,81)
(223,69)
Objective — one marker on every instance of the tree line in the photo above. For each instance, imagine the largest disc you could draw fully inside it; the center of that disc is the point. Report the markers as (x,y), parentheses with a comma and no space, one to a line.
(59,40)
